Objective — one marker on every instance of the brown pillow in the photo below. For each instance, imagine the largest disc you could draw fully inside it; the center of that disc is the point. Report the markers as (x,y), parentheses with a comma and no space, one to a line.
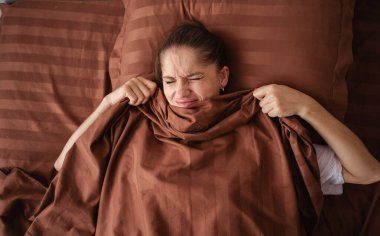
(53,73)
(303,44)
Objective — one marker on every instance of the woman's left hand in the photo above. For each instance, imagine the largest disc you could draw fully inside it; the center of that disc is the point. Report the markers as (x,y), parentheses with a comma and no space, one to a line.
(282,101)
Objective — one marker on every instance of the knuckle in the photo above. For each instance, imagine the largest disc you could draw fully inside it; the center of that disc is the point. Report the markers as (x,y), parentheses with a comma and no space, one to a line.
(146,93)
(125,89)
(140,100)
(275,88)
(132,98)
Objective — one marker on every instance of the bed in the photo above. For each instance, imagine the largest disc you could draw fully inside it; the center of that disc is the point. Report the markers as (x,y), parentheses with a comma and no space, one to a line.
(58,59)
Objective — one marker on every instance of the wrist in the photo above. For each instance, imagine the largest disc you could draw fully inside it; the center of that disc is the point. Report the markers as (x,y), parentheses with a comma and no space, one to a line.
(310,108)
(107,101)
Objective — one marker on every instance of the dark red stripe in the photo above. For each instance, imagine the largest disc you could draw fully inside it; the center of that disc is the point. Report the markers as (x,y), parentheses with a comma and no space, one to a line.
(43,116)
(81,101)
(64,24)
(83,82)
(8,155)
(106,7)
(43,136)
(53,60)
(62,41)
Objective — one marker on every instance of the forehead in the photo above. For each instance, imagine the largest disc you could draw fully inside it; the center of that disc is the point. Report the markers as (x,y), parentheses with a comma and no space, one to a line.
(180,60)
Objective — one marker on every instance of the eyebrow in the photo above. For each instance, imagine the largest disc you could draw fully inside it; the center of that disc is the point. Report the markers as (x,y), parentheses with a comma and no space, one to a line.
(196,73)
(167,77)
(189,75)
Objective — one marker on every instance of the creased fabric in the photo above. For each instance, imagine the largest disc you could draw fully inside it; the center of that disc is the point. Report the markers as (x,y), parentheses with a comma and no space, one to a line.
(224,168)
(20,195)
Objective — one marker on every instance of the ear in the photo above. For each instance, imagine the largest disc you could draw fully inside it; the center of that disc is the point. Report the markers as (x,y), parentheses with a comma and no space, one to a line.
(224,74)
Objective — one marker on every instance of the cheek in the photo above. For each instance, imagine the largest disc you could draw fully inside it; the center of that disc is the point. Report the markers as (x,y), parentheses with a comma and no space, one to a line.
(206,90)
(168,92)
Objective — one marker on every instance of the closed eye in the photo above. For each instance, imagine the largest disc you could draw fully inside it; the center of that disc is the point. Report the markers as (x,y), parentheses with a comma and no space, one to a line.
(168,79)
(195,77)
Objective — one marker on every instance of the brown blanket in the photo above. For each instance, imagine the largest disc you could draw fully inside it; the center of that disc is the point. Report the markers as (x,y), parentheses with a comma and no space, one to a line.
(224,168)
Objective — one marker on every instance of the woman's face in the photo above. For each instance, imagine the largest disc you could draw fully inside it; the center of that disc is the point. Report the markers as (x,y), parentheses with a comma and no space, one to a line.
(186,81)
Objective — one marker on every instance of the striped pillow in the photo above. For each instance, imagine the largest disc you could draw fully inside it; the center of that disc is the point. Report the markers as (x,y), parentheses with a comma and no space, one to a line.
(53,73)
(305,44)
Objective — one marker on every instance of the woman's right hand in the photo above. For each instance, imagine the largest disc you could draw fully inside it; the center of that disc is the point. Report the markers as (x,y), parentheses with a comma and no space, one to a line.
(138,90)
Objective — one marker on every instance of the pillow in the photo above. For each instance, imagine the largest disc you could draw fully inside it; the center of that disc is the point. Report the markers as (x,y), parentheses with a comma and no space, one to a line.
(53,73)
(303,44)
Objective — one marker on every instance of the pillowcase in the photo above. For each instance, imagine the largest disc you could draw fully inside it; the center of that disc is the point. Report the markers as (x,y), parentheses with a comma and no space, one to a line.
(302,44)
(53,73)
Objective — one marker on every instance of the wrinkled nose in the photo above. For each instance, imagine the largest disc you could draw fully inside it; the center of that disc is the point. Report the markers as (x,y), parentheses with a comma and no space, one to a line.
(183,89)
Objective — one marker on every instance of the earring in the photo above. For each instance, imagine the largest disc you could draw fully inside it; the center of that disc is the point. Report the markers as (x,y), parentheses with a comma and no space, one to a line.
(222,89)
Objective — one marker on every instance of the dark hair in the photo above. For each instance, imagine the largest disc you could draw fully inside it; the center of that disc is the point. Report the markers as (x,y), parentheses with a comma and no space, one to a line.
(194,35)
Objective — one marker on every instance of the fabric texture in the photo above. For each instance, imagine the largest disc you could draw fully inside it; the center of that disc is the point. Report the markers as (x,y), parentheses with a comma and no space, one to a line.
(53,73)
(303,44)
(221,169)
(330,170)
(20,196)
(356,212)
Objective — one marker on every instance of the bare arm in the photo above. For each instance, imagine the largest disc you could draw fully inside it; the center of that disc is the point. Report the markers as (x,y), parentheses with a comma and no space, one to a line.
(104,105)
(137,90)
(359,166)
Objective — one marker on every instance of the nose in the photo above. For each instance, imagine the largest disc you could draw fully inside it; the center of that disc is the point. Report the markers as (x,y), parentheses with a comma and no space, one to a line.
(183,89)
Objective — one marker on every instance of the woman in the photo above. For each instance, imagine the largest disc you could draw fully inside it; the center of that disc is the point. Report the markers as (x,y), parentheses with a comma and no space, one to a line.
(191,66)
(190,162)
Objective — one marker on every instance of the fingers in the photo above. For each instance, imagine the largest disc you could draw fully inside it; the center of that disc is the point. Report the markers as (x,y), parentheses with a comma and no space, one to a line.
(139,90)
(266,100)
(274,113)
(262,91)
(268,107)
(270,100)
(130,94)
(270,104)
(134,91)
(149,84)
(148,89)
(277,108)
(272,109)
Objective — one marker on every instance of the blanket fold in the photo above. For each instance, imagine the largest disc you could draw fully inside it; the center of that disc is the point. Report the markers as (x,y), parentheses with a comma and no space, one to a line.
(20,195)
(223,168)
